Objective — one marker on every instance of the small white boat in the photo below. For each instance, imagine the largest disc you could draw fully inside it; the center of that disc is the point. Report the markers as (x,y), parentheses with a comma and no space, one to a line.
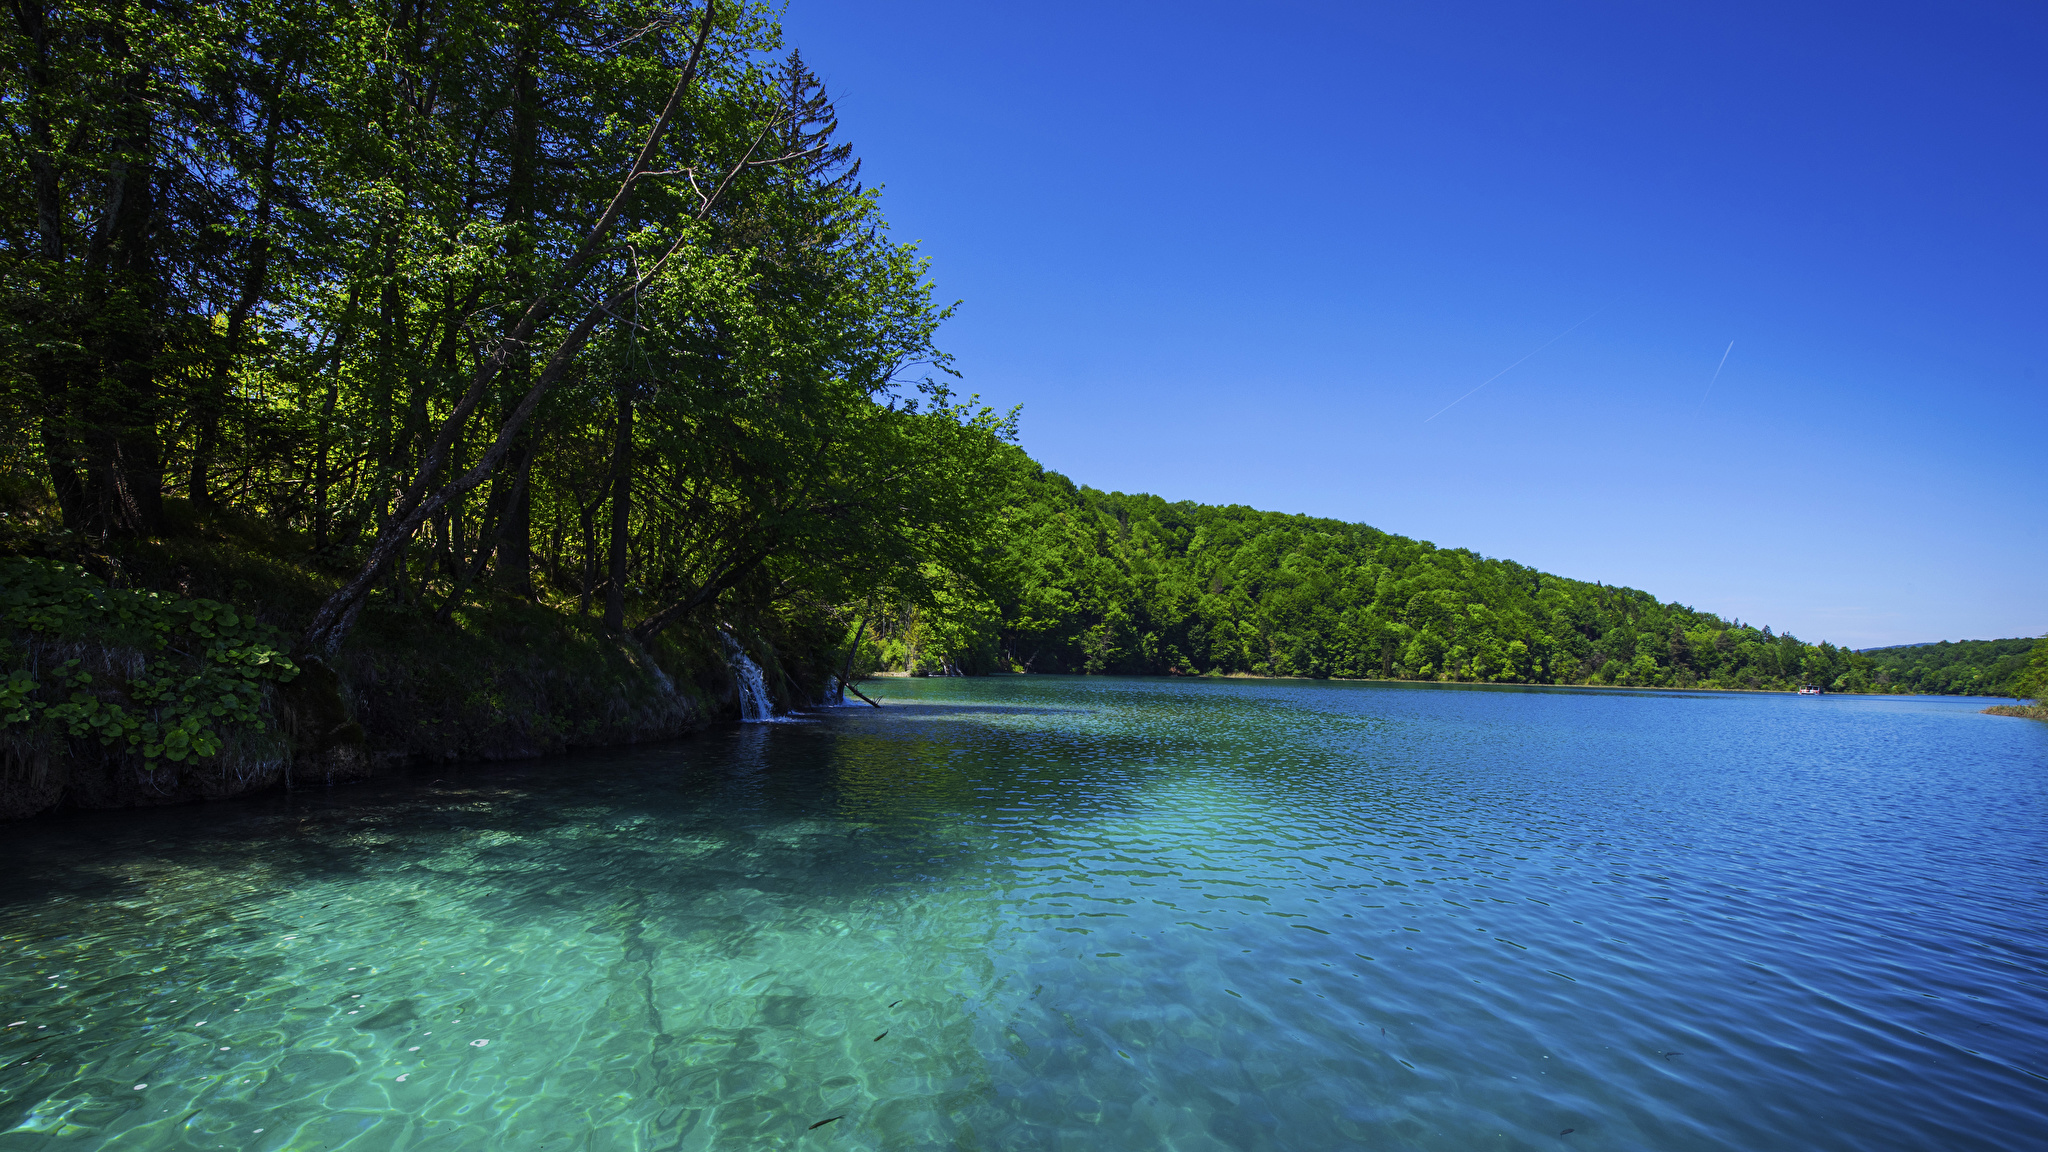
(1810,690)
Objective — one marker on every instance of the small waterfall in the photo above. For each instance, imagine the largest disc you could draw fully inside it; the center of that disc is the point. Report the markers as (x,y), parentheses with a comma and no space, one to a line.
(755,704)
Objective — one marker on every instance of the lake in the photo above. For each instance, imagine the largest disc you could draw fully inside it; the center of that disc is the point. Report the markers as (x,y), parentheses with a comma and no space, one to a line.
(1078,913)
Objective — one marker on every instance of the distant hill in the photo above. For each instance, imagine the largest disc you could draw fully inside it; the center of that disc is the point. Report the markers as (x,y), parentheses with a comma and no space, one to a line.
(1088,581)
(1084,581)
(1950,667)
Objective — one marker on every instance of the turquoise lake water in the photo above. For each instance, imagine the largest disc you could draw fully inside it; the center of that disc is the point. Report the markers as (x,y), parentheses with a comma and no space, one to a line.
(1064,913)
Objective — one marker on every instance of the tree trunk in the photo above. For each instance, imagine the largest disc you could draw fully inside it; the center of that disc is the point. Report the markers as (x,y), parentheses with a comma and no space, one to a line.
(54,376)
(515,540)
(622,511)
(514,572)
(389,323)
(852,650)
(587,520)
(255,278)
(426,493)
(123,459)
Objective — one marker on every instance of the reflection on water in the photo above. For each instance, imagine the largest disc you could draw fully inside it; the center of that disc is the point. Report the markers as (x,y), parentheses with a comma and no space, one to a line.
(1067,913)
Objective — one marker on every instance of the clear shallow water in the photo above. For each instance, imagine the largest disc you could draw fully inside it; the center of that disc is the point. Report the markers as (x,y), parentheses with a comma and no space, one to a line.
(1087,914)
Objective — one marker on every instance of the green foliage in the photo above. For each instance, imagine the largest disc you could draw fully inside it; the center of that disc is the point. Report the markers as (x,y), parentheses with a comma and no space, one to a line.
(1955,668)
(293,261)
(1090,581)
(182,673)
(542,301)
(2031,681)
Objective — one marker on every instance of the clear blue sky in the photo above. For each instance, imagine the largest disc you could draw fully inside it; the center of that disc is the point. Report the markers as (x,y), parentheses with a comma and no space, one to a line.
(1241,254)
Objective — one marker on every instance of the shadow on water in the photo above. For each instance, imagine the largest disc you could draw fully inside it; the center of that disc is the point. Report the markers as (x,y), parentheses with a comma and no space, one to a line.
(850,794)
(1064,912)
(640,800)
(716,902)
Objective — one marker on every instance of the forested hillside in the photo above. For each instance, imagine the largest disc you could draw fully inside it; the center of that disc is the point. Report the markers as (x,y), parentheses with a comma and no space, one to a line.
(396,331)
(1953,668)
(550,300)
(1089,581)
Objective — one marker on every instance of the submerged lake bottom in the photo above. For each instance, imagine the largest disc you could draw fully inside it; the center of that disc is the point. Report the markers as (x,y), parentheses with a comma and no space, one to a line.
(1078,913)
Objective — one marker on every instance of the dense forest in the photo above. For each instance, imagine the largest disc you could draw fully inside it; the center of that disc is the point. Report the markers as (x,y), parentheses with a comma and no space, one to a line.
(471,295)
(1955,668)
(415,339)
(439,307)
(1087,581)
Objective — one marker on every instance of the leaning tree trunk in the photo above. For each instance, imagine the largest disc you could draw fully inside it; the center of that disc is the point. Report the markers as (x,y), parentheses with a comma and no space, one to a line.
(422,498)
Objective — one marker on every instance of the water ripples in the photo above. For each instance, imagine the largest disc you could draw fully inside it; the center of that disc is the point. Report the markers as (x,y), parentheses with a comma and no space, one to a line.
(1052,912)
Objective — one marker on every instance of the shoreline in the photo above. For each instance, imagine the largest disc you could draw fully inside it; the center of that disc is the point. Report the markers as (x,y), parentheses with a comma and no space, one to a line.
(1456,684)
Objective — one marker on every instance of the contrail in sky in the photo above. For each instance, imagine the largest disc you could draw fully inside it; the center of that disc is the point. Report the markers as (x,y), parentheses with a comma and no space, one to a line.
(1710,383)
(1511,367)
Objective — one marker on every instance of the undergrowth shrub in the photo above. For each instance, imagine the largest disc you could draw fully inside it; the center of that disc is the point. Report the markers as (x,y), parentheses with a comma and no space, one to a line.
(176,676)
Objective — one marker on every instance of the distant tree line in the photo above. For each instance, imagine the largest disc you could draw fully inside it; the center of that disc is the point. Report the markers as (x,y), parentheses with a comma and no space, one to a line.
(1102,582)
(1955,668)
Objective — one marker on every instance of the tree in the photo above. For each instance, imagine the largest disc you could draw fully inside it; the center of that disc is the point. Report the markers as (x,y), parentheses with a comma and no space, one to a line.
(537,296)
